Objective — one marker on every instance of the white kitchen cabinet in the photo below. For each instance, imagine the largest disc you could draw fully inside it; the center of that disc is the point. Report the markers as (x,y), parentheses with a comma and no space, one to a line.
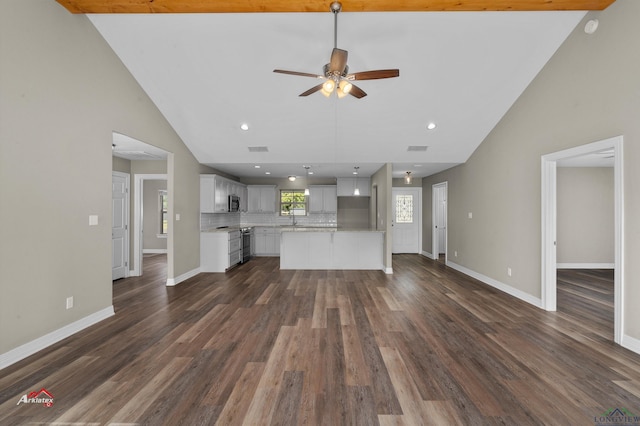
(323,199)
(215,191)
(267,241)
(346,186)
(221,195)
(220,250)
(207,193)
(262,198)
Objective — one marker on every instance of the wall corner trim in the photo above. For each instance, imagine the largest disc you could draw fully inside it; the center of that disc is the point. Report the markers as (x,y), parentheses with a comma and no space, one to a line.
(29,348)
(630,343)
(526,297)
(426,254)
(177,280)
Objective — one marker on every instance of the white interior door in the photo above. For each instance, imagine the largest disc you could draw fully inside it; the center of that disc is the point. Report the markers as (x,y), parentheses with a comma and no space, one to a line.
(439,219)
(119,228)
(406,219)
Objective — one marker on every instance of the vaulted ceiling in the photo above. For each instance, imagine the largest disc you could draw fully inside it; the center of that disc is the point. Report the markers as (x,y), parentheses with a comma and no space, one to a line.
(209,73)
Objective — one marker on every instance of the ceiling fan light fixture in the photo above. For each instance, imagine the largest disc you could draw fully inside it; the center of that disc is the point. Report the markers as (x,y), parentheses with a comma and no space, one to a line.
(408,178)
(329,85)
(345,87)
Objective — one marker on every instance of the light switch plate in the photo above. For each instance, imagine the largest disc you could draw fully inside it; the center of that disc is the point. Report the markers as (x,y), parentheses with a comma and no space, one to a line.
(93,219)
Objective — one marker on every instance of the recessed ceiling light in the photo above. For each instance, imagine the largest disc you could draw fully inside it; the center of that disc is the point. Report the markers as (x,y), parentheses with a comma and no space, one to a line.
(431,126)
(417,165)
(244,126)
(256,167)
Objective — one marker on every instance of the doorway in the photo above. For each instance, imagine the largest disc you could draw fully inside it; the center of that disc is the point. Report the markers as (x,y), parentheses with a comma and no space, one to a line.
(406,220)
(138,219)
(439,220)
(119,225)
(549,224)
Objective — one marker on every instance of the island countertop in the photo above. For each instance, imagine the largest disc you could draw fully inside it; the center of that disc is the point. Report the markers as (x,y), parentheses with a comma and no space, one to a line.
(335,248)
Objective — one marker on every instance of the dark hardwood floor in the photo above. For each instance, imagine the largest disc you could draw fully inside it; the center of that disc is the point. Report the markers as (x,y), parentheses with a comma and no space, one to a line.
(426,345)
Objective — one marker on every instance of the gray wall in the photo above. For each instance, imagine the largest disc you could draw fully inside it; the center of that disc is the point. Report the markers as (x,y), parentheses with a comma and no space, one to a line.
(380,207)
(353,212)
(151,215)
(63,94)
(585,221)
(587,92)
(120,165)
(400,183)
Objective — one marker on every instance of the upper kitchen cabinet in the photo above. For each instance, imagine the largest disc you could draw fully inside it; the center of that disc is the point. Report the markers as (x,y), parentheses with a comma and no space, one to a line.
(262,198)
(215,191)
(323,199)
(347,186)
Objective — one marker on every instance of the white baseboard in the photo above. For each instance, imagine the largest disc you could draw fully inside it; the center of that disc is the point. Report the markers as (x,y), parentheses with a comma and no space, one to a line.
(23,351)
(388,270)
(177,280)
(630,343)
(585,266)
(154,251)
(426,254)
(498,285)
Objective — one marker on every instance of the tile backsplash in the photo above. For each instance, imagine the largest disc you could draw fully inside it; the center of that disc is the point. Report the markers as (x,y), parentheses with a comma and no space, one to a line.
(214,220)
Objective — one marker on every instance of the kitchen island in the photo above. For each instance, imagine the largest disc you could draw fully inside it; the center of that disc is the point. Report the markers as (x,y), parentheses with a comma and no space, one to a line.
(331,248)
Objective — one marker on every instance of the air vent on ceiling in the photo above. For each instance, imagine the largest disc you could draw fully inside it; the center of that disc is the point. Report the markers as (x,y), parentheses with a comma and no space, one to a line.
(258,149)
(417,148)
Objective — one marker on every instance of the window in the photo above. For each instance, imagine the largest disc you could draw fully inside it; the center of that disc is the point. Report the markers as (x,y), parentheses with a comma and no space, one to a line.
(404,208)
(164,222)
(293,202)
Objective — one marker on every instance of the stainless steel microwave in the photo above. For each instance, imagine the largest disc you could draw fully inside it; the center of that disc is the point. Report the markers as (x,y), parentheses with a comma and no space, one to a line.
(234,203)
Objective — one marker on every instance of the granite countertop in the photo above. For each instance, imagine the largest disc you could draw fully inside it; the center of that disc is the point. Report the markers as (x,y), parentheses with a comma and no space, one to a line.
(228,229)
(325,229)
(290,228)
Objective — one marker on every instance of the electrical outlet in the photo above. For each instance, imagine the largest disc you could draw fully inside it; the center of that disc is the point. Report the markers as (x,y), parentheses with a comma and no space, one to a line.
(69,302)
(509,271)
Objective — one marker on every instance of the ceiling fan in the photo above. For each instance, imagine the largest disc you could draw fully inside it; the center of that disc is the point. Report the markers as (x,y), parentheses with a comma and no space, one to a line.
(336,73)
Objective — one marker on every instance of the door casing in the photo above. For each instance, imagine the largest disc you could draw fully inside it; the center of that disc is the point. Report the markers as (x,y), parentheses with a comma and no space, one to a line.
(549,226)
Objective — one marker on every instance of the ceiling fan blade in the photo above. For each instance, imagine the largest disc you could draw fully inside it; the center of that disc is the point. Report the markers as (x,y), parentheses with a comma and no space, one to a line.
(314,89)
(357,92)
(338,61)
(301,74)
(374,75)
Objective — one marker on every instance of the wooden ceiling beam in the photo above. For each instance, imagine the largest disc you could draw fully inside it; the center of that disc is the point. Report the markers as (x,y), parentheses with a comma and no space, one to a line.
(244,6)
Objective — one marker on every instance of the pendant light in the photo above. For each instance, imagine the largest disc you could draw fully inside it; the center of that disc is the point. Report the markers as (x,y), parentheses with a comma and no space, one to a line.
(356,191)
(306,189)
(408,178)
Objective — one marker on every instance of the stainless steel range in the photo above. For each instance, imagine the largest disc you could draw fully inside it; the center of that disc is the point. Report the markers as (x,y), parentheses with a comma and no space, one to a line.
(247,243)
